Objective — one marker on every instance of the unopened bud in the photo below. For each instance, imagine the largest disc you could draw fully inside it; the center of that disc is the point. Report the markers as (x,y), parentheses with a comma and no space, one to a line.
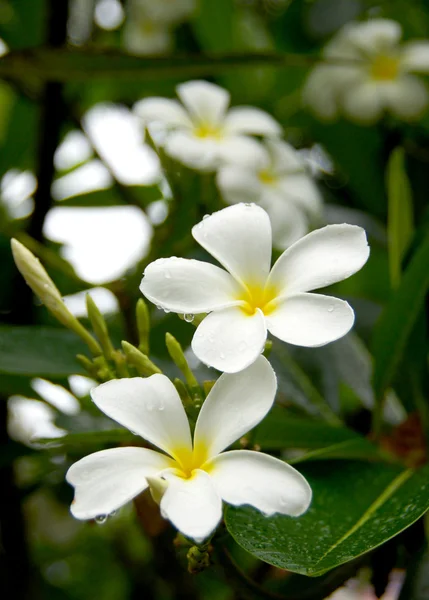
(143,325)
(99,326)
(139,360)
(176,352)
(42,285)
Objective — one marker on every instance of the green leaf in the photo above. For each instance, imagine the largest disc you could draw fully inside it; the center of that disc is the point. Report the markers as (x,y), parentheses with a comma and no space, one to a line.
(398,318)
(141,194)
(281,430)
(356,507)
(44,351)
(74,441)
(400,213)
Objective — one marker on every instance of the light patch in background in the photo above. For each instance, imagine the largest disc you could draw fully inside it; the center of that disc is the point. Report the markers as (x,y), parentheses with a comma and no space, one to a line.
(4,49)
(73,150)
(109,14)
(30,419)
(100,243)
(16,189)
(157,212)
(105,300)
(56,395)
(317,160)
(81,385)
(90,177)
(116,134)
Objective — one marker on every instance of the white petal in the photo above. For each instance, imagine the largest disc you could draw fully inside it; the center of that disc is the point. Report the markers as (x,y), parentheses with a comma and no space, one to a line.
(407,97)
(192,505)
(415,56)
(246,119)
(310,320)
(364,102)
(230,339)
(239,237)
(197,153)
(322,257)
(303,191)
(164,110)
(235,405)
(150,407)
(284,157)
(206,102)
(106,480)
(188,286)
(237,184)
(375,35)
(242,150)
(288,220)
(267,483)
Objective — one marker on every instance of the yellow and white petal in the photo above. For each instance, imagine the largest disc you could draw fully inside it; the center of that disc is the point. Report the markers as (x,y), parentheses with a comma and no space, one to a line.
(322,257)
(303,191)
(250,120)
(236,404)
(238,184)
(364,102)
(201,154)
(415,56)
(149,407)
(106,480)
(192,505)
(289,221)
(239,237)
(407,97)
(205,101)
(164,110)
(267,483)
(189,286)
(230,339)
(310,320)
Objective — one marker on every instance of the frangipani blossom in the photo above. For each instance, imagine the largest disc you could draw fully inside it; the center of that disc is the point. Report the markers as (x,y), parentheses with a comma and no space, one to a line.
(194,477)
(247,299)
(201,132)
(276,179)
(378,79)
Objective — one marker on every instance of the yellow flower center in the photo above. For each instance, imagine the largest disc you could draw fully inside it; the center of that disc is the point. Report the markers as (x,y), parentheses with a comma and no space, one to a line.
(266,177)
(257,296)
(188,462)
(384,68)
(207,130)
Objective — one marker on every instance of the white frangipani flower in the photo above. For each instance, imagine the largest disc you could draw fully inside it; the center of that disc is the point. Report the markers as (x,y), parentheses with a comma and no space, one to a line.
(378,79)
(247,299)
(191,478)
(143,37)
(201,132)
(276,179)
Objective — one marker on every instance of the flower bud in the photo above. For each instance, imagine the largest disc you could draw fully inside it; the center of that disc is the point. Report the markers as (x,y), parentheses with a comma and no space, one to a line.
(139,360)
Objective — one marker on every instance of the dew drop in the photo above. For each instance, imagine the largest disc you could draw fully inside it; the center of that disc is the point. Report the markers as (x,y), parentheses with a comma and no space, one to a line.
(166,310)
(45,286)
(248,204)
(100,519)
(205,217)
(189,317)
(222,355)
(167,275)
(331,308)
(114,513)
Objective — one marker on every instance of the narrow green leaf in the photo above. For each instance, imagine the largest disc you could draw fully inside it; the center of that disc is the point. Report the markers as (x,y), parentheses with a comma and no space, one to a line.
(87,439)
(400,213)
(399,316)
(40,351)
(356,507)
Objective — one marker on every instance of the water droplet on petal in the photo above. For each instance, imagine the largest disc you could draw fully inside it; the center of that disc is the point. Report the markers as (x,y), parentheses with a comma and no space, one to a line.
(114,513)
(331,308)
(100,519)
(189,317)
(166,310)
(167,275)
(222,355)
(248,204)
(205,217)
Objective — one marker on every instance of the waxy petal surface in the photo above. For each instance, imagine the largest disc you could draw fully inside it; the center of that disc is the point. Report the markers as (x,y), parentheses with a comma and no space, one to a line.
(246,119)
(205,101)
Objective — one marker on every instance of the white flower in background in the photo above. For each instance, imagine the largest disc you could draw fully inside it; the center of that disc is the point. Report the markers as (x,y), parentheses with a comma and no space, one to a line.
(380,80)
(247,299)
(201,132)
(163,12)
(276,179)
(189,480)
(144,37)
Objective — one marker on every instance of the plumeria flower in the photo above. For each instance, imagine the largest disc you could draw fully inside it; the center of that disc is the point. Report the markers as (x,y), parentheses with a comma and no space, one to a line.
(201,132)
(190,480)
(247,299)
(276,179)
(378,79)
(143,37)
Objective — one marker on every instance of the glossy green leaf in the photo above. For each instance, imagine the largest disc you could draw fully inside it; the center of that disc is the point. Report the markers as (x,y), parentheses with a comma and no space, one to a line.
(356,507)
(397,321)
(39,351)
(400,213)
